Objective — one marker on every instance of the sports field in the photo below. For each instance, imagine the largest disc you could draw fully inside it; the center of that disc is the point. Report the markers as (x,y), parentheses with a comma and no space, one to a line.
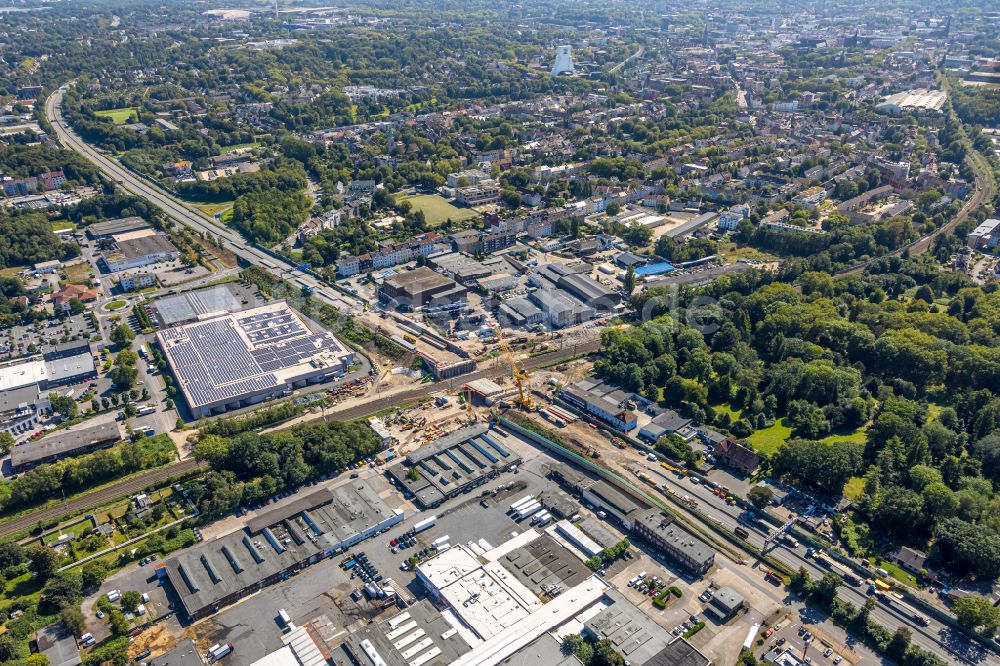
(436,209)
(118,116)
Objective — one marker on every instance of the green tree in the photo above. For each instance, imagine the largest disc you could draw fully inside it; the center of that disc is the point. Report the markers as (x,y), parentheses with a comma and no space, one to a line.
(122,335)
(62,404)
(824,591)
(42,561)
(628,282)
(760,496)
(37,659)
(899,644)
(975,612)
(131,600)
(581,648)
(6,442)
(73,619)
(124,376)
(93,574)
(119,625)
(8,648)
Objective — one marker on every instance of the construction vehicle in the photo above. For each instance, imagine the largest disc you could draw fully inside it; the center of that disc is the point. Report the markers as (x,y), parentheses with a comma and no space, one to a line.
(517,372)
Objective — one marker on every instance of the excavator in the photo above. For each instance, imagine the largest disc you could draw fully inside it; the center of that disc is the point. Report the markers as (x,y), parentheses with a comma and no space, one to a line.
(517,372)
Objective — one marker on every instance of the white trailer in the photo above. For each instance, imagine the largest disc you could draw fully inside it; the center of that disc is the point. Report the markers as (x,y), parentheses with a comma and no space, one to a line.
(529,510)
(521,502)
(424,524)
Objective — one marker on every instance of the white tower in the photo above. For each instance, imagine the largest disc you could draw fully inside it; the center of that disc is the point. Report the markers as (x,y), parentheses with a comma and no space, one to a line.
(564,62)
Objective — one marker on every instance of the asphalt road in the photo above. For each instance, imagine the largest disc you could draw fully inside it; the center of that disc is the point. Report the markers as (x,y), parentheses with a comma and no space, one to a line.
(99,497)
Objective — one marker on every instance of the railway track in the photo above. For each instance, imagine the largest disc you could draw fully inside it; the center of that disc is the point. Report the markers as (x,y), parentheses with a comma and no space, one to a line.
(99,497)
(400,399)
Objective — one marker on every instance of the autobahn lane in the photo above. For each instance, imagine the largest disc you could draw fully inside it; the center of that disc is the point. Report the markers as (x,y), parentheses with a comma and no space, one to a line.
(99,497)
(179,211)
(936,637)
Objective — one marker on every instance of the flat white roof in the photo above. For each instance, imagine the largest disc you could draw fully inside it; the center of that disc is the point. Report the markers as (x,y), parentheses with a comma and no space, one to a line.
(560,610)
(282,657)
(21,374)
(986,227)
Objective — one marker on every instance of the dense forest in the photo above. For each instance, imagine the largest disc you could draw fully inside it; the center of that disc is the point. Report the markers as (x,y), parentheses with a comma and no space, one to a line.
(251,467)
(890,378)
(20,161)
(27,238)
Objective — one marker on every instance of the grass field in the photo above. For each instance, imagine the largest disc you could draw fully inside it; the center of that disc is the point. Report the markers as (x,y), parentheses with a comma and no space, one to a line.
(856,437)
(118,116)
(769,440)
(436,209)
(899,574)
(215,208)
(62,225)
(731,253)
(854,487)
(77,272)
(734,414)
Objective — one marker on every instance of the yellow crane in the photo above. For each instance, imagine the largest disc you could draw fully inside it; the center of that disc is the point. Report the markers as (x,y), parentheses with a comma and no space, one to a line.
(518,374)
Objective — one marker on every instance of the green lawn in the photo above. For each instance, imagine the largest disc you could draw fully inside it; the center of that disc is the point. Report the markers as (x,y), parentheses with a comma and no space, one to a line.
(856,437)
(115,305)
(62,225)
(734,414)
(214,209)
(436,209)
(769,440)
(854,488)
(899,574)
(118,116)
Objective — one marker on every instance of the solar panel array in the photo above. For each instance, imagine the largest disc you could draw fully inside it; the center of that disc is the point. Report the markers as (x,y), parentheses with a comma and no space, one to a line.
(214,362)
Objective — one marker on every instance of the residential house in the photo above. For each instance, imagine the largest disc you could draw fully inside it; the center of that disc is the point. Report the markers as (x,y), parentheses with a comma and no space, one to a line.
(732,454)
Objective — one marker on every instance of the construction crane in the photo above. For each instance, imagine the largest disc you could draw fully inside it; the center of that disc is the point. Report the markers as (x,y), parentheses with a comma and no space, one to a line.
(517,372)
(468,406)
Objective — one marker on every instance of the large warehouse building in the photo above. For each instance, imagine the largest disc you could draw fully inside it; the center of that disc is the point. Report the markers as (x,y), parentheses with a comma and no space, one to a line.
(235,360)
(453,464)
(512,604)
(219,572)
(419,288)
